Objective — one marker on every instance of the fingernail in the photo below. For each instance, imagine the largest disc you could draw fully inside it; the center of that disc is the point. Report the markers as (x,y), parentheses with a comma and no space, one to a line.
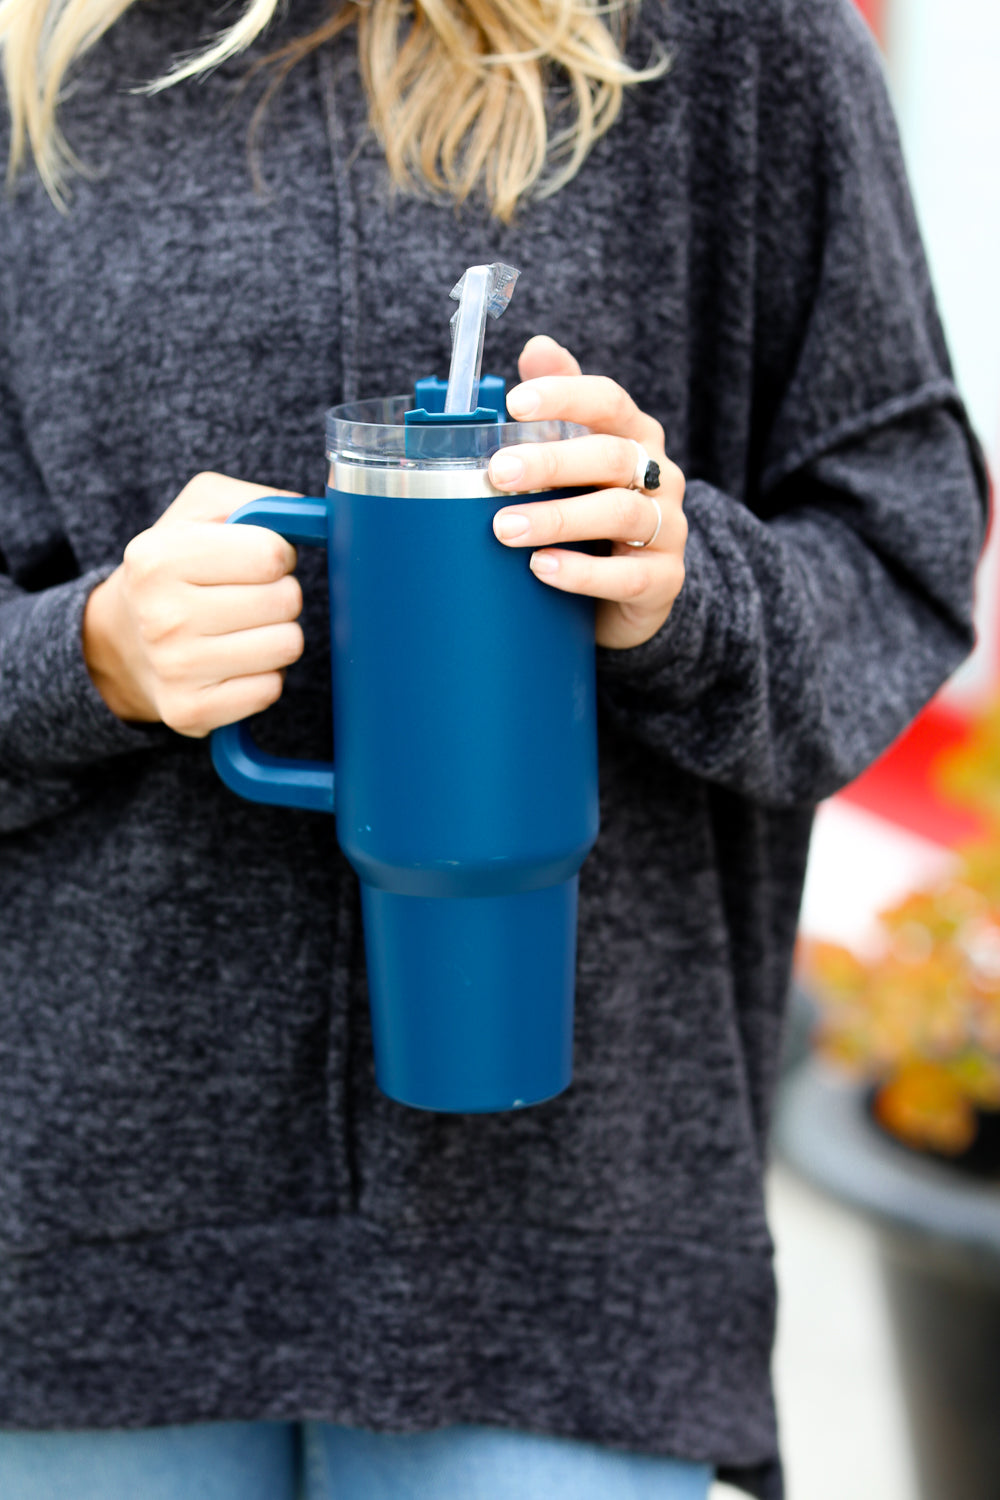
(544,562)
(508,525)
(522,401)
(505,468)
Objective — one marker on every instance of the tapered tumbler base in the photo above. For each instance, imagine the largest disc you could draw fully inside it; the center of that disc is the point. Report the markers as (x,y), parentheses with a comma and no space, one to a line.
(472,997)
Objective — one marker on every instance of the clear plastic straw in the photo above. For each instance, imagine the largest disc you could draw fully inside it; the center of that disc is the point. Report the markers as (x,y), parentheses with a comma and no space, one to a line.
(482,290)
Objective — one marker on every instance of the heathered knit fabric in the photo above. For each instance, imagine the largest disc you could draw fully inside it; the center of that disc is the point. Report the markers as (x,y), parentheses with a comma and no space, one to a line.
(207,1210)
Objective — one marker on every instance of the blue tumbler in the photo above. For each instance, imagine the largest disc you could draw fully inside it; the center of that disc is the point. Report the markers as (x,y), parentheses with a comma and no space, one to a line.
(465,748)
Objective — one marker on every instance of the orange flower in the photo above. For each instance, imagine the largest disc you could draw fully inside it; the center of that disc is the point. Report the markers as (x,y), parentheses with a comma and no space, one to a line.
(924,1106)
(920,1018)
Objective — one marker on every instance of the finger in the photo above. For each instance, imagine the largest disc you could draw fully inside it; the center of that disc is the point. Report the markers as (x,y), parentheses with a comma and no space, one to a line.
(603,459)
(225,608)
(197,714)
(196,552)
(208,660)
(650,579)
(214,497)
(606,515)
(595,401)
(541,355)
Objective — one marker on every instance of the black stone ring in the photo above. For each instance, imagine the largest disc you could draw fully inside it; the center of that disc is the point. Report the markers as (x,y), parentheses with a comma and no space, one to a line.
(647,473)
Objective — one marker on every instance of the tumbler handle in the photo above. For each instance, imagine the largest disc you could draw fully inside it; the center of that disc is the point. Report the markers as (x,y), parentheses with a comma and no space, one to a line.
(245,769)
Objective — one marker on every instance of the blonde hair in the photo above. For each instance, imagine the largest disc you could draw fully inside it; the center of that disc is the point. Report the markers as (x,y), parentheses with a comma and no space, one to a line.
(459,91)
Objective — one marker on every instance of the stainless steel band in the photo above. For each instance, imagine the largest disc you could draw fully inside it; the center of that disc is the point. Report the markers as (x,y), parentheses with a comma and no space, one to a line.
(398,480)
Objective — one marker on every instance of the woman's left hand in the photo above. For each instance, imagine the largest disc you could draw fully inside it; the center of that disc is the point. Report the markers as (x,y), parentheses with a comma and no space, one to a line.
(636,587)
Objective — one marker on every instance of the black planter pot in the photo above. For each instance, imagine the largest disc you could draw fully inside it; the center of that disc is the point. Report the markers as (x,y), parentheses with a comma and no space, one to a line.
(939,1238)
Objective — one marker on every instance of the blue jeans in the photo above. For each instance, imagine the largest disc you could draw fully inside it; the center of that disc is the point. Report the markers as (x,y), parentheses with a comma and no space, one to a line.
(315,1461)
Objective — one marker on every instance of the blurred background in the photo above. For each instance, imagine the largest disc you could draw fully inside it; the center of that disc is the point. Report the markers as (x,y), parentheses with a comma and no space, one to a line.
(888,1251)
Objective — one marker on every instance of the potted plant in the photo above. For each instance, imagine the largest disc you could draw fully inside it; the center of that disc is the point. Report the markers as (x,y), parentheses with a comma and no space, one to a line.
(898,1115)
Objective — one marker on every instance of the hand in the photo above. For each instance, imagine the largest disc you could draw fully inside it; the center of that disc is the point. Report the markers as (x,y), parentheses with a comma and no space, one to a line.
(198,623)
(636,588)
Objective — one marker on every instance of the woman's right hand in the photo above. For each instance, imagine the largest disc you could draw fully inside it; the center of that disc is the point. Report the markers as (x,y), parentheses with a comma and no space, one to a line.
(198,623)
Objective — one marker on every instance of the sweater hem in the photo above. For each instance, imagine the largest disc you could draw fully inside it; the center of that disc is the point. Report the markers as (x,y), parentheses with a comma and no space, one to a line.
(345,1320)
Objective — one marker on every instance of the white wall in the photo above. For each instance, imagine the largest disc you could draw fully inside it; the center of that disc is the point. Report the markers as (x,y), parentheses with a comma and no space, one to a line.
(944,60)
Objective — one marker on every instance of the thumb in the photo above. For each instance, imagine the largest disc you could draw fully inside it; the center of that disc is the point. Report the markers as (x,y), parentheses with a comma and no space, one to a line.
(214,497)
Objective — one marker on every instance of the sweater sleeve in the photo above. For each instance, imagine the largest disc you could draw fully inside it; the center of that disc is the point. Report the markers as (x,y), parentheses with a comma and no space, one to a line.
(54,725)
(823,607)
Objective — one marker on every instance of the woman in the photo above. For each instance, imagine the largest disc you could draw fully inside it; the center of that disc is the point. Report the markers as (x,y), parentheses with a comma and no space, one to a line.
(221,1246)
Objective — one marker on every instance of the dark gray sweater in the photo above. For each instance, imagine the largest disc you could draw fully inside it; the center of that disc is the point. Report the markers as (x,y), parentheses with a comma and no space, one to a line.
(206,1208)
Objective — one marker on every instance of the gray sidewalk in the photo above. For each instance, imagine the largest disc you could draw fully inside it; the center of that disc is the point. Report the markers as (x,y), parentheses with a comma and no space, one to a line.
(843,1431)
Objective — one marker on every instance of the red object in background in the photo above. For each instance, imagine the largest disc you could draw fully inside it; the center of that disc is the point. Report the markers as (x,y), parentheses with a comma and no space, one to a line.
(900,785)
(874,13)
